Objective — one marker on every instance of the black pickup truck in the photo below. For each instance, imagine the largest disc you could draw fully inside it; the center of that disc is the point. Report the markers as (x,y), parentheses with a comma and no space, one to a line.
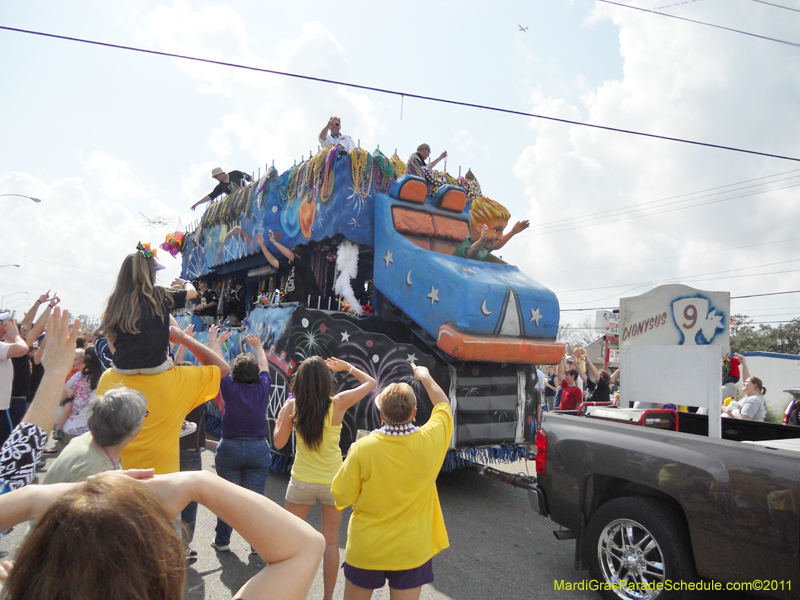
(664,513)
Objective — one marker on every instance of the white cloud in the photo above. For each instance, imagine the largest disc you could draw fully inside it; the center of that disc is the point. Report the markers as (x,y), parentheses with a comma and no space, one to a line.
(269,116)
(682,82)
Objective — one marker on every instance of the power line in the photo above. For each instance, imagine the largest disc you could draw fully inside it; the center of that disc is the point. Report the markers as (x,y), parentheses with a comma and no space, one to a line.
(763,37)
(664,201)
(762,295)
(397,93)
(776,5)
(732,298)
(628,213)
(638,262)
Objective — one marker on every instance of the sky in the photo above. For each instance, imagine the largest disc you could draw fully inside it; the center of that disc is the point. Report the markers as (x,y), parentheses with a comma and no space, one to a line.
(118,145)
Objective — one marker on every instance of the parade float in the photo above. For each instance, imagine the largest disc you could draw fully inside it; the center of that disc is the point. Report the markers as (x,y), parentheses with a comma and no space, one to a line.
(380,243)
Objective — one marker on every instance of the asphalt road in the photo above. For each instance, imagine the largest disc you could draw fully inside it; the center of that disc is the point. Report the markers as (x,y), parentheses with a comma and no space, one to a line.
(499,547)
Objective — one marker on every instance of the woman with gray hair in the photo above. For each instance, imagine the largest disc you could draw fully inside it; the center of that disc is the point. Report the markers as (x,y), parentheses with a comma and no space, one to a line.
(114,419)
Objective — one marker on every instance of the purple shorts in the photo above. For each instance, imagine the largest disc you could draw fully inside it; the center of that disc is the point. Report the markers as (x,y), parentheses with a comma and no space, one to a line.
(407,579)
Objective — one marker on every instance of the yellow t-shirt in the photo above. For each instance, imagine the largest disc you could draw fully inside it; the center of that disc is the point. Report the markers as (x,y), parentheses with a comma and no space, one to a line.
(320,465)
(397,521)
(171,396)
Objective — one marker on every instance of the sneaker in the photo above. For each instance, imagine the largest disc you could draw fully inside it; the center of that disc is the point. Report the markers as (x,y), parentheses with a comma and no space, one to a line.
(188,428)
(220,547)
(191,553)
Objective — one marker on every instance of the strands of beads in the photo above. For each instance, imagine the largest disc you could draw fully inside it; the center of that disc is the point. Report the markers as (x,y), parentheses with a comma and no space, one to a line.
(314,179)
(361,167)
(398,430)
(383,171)
(398,166)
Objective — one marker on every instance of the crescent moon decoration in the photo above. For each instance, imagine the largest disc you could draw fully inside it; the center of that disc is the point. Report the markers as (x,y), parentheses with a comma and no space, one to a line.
(484,310)
(408,279)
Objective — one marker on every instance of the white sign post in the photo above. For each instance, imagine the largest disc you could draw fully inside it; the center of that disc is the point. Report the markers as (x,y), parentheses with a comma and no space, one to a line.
(672,340)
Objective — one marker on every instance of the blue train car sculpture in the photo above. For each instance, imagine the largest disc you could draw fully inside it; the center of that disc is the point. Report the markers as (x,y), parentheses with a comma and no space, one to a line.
(477,325)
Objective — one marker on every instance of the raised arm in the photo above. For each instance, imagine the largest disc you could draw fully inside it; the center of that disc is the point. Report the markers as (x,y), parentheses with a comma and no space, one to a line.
(57,361)
(344,400)
(203,353)
(745,370)
(283,249)
(18,345)
(593,369)
(201,201)
(261,356)
(27,320)
(39,326)
(181,350)
(291,547)
(474,250)
(435,392)
(435,162)
(324,133)
(182,284)
(518,227)
(267,254)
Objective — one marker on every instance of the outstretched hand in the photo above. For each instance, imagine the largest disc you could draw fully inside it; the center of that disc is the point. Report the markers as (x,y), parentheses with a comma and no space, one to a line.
(253,340)
(260,238)
(11,330)
(520,226)
(337,364)
(420,373)
(61,340)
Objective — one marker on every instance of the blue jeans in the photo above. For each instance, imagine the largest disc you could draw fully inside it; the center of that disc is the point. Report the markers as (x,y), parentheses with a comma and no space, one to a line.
(190,461)
(245,462)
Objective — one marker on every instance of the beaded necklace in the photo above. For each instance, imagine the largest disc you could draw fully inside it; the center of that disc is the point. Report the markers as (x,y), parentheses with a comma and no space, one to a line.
(397,430)
(398,166)
(115,465)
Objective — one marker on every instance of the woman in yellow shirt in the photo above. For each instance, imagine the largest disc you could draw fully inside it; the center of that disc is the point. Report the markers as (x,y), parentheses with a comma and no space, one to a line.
(390,479)
(316,415)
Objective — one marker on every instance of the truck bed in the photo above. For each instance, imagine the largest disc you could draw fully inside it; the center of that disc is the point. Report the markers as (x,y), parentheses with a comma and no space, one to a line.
(740,501)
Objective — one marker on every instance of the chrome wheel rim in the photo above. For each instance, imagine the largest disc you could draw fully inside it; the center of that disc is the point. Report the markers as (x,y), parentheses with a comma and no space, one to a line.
(631,560)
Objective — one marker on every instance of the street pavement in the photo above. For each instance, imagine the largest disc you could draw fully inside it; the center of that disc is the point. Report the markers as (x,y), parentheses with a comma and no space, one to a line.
(499,547)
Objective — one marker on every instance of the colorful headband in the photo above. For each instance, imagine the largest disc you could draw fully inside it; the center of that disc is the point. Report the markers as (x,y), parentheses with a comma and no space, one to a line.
(145,250)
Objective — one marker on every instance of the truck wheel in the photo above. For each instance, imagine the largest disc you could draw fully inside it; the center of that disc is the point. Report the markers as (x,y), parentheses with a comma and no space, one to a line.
(635,544)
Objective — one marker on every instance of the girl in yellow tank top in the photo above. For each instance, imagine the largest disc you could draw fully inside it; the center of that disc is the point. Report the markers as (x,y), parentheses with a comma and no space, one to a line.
(316,414)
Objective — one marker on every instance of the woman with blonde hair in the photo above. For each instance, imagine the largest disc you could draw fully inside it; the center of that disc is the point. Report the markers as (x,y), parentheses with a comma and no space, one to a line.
(389,478)
(137,315)
(316,414)
(113,537)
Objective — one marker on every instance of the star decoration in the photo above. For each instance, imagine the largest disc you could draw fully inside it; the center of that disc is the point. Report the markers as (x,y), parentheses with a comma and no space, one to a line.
(388,258)
(345,336)
(467,270)
(535,315)
(411,358)
(434,295)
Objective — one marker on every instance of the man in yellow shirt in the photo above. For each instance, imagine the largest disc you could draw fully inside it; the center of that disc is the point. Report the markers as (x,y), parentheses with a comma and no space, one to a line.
(390,479)
(171,396)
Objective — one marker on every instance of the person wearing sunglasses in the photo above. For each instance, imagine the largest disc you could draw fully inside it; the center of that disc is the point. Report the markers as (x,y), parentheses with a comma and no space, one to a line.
(331,135)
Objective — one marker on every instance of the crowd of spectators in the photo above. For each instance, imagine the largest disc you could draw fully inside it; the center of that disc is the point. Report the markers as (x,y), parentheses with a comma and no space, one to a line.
(116,513)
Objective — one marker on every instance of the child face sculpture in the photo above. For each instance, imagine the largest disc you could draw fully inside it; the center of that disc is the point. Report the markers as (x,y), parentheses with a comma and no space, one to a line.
(492,229)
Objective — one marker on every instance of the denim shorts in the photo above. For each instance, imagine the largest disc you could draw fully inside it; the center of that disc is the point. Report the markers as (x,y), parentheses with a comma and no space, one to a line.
(300,492)
(407,579)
